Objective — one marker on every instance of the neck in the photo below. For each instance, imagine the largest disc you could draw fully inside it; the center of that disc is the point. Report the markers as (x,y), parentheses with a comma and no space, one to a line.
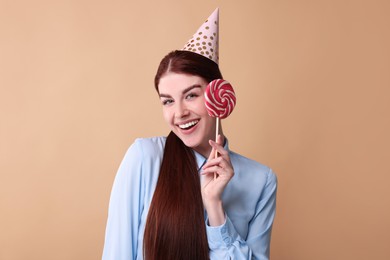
(206,149)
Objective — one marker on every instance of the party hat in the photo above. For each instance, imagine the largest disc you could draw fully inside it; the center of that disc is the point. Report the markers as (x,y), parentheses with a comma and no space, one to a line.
(205,40)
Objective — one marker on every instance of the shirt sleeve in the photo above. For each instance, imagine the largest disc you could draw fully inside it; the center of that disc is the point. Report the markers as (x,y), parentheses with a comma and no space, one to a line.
(226,243)
(125,210)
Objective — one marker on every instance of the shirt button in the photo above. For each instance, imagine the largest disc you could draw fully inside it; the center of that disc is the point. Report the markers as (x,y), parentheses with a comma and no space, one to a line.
(226,240)
(223,229)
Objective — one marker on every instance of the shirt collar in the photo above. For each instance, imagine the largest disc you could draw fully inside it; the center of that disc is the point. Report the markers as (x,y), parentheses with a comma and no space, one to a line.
(201,160)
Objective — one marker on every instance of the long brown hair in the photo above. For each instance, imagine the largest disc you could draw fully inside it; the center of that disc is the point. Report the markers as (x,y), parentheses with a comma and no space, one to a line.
(175,227)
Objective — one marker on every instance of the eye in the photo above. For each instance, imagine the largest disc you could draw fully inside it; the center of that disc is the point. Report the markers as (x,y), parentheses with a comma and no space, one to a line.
(191,96)
(166,102)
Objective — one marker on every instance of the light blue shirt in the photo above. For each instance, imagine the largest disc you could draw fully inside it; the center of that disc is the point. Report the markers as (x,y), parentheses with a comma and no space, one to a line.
(249,202)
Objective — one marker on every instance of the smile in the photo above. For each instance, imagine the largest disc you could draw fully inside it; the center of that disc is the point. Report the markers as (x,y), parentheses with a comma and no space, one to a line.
(189,124)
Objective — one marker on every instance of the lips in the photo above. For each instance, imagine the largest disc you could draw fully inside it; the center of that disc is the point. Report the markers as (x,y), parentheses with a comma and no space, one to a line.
(188,125)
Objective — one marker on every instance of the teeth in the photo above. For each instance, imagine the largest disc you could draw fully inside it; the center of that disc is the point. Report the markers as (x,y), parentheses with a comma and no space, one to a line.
(183,126)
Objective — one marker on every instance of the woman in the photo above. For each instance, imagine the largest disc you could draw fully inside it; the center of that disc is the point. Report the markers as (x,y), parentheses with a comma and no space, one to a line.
(165,202)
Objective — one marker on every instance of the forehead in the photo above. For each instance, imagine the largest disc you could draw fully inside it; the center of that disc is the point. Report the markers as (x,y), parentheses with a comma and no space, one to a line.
(172,82)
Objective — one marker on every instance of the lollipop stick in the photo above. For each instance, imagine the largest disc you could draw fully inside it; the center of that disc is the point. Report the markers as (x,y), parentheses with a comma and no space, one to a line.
(216,140)
(220,100)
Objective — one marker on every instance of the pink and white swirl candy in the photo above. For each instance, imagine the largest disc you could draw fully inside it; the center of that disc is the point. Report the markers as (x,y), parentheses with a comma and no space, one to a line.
(220,98)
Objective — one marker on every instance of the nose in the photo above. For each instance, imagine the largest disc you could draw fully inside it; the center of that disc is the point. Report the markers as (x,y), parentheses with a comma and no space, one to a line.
(181,110)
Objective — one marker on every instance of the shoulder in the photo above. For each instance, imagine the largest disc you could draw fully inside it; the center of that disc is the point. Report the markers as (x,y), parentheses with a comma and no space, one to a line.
(144,150)
(142,160)
(251,169)
(147,146)
(242,160)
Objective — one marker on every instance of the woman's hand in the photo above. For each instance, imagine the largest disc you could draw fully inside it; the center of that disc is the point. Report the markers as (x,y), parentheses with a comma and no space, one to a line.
(213,187)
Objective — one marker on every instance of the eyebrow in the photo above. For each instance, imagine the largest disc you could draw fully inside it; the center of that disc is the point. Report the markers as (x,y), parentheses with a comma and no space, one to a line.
(183,92)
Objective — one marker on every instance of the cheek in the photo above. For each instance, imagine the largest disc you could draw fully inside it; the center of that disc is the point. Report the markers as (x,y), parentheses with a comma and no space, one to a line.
(167,115)
(201,107)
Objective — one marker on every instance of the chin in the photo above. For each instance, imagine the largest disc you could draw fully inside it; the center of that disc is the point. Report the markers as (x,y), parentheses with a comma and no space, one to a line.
(194,140)
(190,143)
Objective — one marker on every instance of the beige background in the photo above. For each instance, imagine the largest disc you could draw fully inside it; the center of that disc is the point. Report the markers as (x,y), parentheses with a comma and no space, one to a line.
(313,86)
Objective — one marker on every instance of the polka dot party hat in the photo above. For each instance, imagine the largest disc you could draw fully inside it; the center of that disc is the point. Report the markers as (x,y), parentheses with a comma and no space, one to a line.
(205,40)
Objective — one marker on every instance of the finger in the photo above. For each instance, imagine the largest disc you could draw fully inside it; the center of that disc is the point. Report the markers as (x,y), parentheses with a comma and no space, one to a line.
(212,169)
(217,147)
(215,161)
(219,170)
(206,178)
(219,139)
(211,155)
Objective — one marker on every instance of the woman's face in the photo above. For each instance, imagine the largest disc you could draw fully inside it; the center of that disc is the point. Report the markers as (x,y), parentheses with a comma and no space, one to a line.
(184,110)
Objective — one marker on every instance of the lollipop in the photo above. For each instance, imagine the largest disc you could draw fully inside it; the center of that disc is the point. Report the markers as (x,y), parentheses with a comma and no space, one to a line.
(220,100)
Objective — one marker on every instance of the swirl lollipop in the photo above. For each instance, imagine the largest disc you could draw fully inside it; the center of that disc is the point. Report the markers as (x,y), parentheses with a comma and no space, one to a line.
(220,100)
